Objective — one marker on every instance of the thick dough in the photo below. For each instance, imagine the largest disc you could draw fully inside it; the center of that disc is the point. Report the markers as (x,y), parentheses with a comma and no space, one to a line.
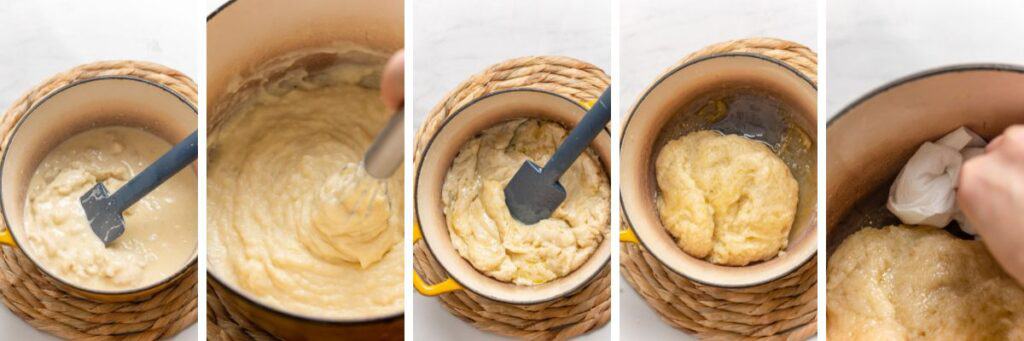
(727,198)
(484,232)
(901,282)
(294,220)
(161,229)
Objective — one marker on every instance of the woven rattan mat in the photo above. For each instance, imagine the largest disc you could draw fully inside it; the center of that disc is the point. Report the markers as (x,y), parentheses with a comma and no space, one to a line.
(224,323)
(577,314)
(782,309)
(28,293)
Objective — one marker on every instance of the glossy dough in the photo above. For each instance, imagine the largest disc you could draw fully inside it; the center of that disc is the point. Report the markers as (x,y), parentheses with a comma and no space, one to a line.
(727,199)
(902,282)
(484,232)
(160,229)
(294,220)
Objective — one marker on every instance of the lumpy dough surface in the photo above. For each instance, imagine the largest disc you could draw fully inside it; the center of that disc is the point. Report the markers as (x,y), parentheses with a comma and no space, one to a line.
(294,220)
(725,198)
(901,282)
(485,233)
(160,229)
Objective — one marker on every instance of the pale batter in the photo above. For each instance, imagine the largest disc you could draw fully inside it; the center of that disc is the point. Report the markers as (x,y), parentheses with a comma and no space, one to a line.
(484,232)
(725,198)
(900,282)
(294,220)
(160,229)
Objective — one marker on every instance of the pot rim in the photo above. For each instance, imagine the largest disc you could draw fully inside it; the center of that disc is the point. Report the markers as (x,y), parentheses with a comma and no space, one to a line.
(219,9)
(632,112)
(927,73)
(302,317)
(416,211)
(3,209)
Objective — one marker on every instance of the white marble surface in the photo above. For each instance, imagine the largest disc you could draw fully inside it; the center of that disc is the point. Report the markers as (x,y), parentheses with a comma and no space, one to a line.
(873,42)
(456,39)
(42,38)
(654,35)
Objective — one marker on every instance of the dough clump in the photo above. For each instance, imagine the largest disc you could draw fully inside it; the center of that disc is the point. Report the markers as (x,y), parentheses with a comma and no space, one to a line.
(902,282)
(485,233)
(725,198)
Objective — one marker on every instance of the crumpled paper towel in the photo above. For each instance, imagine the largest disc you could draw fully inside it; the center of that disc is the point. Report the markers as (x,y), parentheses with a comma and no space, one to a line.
(924,193)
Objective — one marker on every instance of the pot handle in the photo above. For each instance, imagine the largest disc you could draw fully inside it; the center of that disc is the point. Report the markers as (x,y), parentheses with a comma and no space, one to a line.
(6,239)
(627,236)
(446,286)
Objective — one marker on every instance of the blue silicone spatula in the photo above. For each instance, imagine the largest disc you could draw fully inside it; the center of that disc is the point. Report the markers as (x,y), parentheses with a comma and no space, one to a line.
(534,192)
(104,211)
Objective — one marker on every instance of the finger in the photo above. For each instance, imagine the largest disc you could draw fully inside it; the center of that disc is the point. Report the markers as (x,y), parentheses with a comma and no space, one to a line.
(967,186)
(994,144)
(1017,129)
(392,83)
(1017,133)
(1013,141)
(971,191)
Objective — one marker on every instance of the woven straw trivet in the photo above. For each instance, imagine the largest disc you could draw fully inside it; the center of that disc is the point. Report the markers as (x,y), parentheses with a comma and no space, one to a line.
(29,293)
(577,314)
(782,309)
(224,323)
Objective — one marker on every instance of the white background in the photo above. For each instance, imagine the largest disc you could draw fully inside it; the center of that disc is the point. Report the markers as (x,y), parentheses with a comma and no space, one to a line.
(41,38)
(654,35)
(873,42)
(454,40)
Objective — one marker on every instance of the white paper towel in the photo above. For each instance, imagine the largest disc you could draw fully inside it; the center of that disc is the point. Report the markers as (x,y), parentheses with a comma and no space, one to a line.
(924,193)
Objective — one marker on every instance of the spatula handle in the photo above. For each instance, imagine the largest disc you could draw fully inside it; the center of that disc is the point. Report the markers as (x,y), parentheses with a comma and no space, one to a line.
(181,155)
(579,138)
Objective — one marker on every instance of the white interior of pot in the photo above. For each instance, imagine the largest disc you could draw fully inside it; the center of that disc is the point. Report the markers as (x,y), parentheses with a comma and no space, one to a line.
(79,107)
(437,159)
(872,140)
(245,35)
(638,187)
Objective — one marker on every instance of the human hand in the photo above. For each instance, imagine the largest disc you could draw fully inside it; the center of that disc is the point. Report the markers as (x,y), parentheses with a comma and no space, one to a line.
(991,195)
(392,82)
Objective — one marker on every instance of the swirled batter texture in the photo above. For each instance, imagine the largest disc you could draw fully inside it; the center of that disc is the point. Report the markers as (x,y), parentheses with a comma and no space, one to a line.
(725,198)
(901,283)
(160,229)
(294,220)
(485,233)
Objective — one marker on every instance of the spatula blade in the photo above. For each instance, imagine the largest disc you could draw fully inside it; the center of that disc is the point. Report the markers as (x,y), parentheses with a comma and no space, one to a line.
(531,197)
(106,222)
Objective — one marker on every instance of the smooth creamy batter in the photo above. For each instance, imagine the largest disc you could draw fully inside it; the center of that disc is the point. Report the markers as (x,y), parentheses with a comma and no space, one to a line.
(294,220)
(484,232)
(725,198)
(901,282)
(160,229)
